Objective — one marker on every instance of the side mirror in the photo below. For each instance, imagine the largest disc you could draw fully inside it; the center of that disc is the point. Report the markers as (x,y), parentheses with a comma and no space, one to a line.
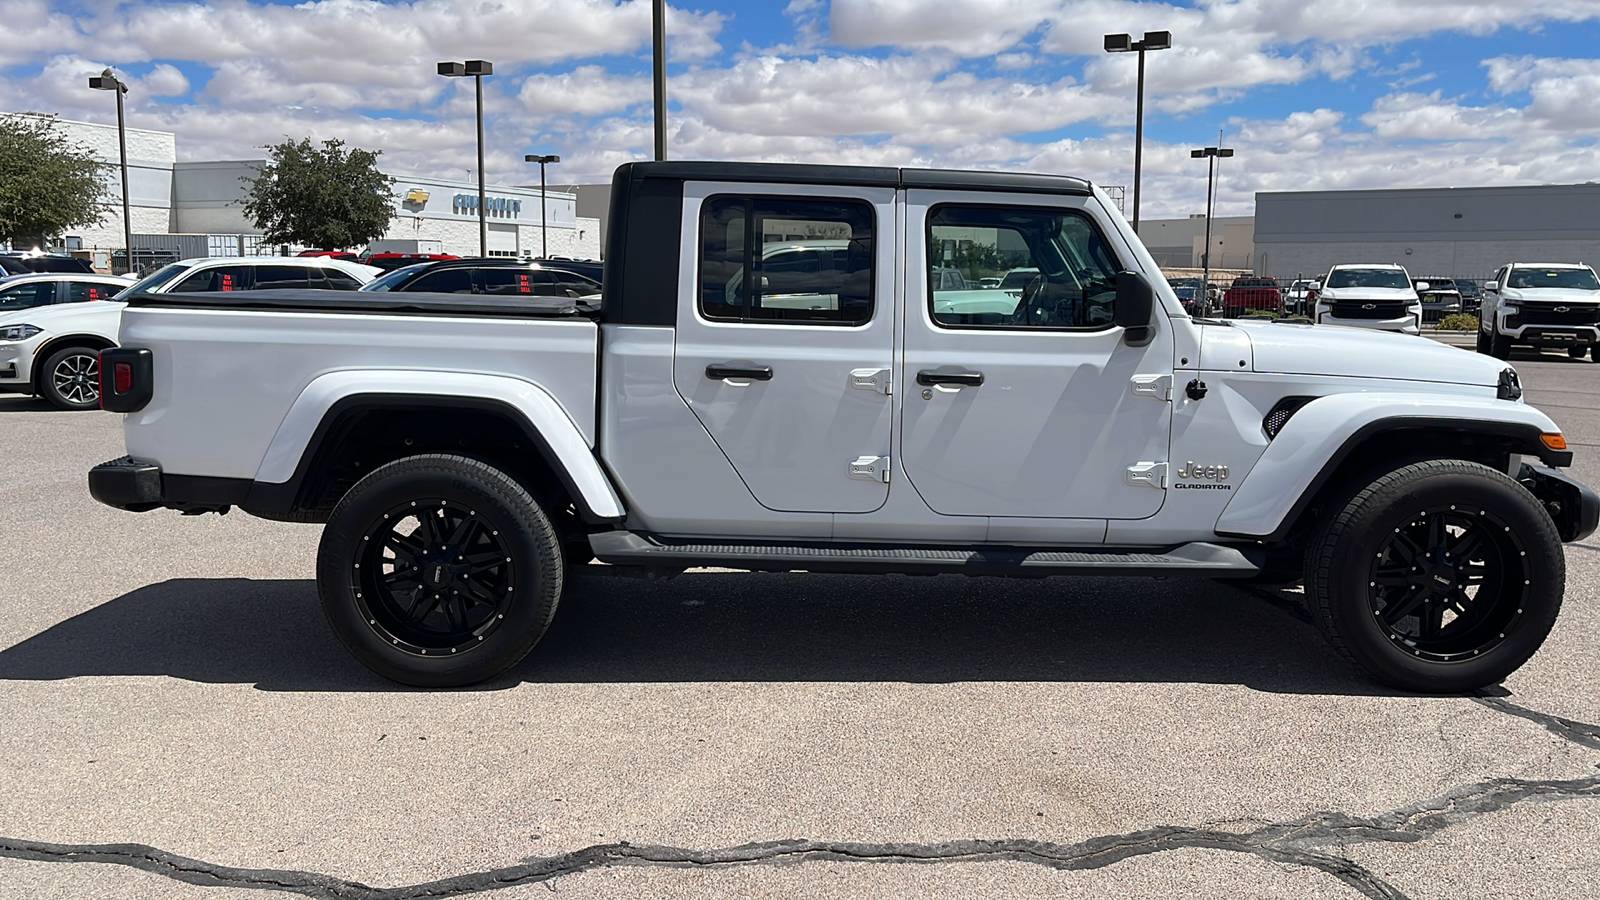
(1491,285)
(1134,304)
(1422,285)
(1314,286)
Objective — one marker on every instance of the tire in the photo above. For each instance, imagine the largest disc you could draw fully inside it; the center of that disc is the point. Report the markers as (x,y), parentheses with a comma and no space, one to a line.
(1577,352)
(1381,577)
(1594,352)
(492,604)
(70,378)
(1499,345)
(1483,342)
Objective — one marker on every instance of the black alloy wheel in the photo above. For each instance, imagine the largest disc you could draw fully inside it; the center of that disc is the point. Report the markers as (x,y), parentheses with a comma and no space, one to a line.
(439,570)
(70,378)
(1450,583)
(1437,576)
(433,577)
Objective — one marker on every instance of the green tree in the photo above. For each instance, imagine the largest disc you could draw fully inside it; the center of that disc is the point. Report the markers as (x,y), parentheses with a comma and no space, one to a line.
(326,197)
(48,183)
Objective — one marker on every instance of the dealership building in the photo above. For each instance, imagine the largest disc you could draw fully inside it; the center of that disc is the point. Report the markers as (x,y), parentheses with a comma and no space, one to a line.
(167,197)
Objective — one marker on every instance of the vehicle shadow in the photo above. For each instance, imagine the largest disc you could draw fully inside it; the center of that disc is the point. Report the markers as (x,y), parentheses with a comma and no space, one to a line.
(718,627)
(24,403)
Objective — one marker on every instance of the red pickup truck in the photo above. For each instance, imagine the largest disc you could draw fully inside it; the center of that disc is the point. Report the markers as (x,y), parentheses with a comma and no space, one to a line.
(1252,292)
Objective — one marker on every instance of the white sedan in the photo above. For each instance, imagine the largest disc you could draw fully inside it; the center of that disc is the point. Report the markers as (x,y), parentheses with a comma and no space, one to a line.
(54,351)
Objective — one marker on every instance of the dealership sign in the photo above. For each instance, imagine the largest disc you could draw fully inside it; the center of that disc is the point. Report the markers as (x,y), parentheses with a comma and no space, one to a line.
(494,206)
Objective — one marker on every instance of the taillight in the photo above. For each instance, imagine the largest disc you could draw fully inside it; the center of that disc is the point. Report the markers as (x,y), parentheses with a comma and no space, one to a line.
(126,379)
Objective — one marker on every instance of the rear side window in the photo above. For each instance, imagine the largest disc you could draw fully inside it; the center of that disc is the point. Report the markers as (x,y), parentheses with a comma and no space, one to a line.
(220,278)
(271,277)
(515,281)
(444,281)
(82,291)
(341,281)
(1054,268)
(823,275)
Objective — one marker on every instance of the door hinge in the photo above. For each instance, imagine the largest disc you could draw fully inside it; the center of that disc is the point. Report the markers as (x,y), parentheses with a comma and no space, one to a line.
(1150,474)
(870,468)
(1157,386)
(871,380)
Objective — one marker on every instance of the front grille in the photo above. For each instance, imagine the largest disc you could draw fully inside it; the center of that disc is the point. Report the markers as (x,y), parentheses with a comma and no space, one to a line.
(1559,314)
(1369,309)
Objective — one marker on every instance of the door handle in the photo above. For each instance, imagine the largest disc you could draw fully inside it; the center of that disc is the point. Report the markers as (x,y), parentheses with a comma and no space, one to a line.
(933,376)
(738,370)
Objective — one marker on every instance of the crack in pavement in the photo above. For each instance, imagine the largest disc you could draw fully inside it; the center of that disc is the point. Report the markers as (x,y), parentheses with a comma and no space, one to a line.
(1299,843)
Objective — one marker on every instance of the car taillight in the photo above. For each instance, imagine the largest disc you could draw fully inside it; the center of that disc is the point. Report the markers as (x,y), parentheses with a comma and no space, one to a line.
(126,379)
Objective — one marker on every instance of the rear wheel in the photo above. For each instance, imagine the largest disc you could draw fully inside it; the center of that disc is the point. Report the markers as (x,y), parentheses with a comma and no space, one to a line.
(1440,576)
(70,378)
(1577,352)
(439,571)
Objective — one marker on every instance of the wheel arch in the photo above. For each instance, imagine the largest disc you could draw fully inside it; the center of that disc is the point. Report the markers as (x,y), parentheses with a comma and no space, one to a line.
(42,353)
(1283,491)
(331,437)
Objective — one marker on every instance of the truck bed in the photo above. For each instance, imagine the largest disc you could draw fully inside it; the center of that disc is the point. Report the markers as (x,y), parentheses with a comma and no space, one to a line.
(230,366)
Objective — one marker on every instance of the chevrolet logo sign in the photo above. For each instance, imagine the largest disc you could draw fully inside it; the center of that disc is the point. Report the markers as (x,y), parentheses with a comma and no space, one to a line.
(1369,306)
(417,195)
(1563,308)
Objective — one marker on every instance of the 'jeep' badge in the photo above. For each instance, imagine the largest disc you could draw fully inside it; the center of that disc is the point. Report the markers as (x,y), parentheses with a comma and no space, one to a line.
(1214,477)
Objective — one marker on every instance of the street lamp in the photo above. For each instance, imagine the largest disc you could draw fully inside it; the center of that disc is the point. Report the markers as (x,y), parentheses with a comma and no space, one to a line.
(107,80)
(1124,43)
(658,69)
(544,237)
(477,68)
(1211,154)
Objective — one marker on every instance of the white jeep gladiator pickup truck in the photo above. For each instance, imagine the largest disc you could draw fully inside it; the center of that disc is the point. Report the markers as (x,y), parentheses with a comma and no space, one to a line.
(838,412)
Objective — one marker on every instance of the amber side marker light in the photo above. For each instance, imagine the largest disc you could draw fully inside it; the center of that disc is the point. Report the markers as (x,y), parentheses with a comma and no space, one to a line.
(1554,441)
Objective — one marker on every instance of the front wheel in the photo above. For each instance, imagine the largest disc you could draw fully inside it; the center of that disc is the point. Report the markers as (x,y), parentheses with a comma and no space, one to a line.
(439,571)
(1438,577)
(70,378)
(1577,352)
(1499,345)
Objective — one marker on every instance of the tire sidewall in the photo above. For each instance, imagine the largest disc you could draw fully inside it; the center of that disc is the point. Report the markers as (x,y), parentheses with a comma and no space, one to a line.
(523,528)
(1407,492)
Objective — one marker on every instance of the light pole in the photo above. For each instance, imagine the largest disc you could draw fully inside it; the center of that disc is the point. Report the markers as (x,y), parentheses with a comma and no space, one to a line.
(544,237)
(107,80)
(1123,43)
(1211,155)
(477,68)
(658,34)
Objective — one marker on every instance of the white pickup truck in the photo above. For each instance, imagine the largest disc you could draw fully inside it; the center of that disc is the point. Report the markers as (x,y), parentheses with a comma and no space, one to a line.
(837,412)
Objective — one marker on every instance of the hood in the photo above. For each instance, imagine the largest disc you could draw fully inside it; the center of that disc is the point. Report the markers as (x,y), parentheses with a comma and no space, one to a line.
(57,316)
(1550,295)
(1369,293)
(1364,353)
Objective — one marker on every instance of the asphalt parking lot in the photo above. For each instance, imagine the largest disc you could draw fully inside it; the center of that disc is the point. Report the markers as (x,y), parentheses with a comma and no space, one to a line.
(177,721)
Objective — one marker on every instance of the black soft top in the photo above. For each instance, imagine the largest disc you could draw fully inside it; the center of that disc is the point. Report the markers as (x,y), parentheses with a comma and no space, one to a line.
(377,303)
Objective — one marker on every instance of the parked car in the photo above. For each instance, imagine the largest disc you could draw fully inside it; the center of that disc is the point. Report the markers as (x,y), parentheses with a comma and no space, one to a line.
(593,269)
(27,263)
(1296,297)
(463,460)
(53,351)
(388,262)
(485,276)
(1369,295)
(248,273)
(1252,293)
(1541,305)
(29,291)
(345,255)
(1439,295)
(945,278)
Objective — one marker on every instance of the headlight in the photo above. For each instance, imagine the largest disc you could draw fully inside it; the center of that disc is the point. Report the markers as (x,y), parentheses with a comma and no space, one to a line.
(1510,309)
(18,332)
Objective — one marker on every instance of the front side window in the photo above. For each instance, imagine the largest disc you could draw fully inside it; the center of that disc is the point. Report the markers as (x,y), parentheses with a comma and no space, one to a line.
(220,278)
(340,281)
(84,291)
(818,269)
(443,281)
(271,277)
(27,296)
(1053,267)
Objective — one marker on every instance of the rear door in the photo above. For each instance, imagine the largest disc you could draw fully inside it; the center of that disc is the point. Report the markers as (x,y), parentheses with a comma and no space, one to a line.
(788,365)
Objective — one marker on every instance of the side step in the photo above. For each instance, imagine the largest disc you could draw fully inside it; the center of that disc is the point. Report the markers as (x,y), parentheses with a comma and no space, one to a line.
(626,548)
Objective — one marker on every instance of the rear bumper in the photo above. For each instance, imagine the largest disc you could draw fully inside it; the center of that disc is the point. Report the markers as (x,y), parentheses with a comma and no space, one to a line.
(128,484)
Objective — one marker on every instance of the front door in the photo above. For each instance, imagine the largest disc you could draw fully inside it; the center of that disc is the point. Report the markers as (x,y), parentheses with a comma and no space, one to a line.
(1022,398)
(785,355)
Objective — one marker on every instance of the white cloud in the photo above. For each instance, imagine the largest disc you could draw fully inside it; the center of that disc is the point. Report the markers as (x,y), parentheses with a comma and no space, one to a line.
(971,28)
(587,90)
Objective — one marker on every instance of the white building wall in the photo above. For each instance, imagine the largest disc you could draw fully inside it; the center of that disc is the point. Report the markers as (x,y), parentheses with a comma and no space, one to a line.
(151,155)
(1456,259)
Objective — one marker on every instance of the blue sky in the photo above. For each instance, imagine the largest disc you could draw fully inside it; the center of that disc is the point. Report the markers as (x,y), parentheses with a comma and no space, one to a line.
(1310,93)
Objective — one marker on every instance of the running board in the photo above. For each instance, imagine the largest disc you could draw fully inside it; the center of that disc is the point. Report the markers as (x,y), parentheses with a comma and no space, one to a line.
(626,548)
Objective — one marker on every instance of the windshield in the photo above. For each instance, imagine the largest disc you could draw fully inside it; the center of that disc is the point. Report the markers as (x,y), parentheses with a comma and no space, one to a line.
(389,280)
(1376,278)
(154,281)
(1581,279)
